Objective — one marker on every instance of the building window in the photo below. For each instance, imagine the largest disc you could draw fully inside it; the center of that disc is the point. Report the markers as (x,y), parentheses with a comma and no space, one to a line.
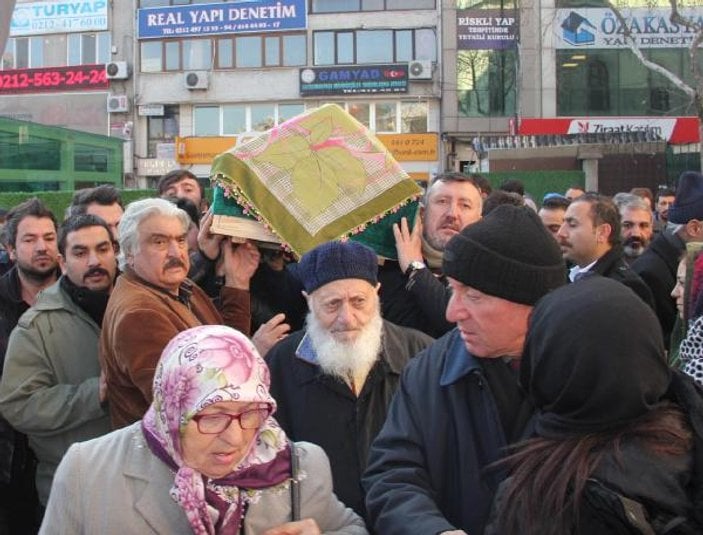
(614,82)
(233,119)
(399,117)
(57,50)
(162,129)
(242,52)
(340,6)
(486,82)
(342,47)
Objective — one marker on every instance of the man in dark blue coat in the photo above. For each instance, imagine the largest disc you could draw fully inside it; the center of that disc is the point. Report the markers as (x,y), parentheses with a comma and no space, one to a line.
(459,404)
(334,380)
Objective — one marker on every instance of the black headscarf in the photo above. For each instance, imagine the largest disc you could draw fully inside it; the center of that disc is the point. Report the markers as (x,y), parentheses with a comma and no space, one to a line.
(594,359)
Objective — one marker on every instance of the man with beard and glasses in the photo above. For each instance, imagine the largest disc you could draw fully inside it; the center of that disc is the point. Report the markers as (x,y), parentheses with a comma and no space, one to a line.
(590,238)
(30,238)
(416,295)
(635,226)
(334,380)
(153,300)
(50,387)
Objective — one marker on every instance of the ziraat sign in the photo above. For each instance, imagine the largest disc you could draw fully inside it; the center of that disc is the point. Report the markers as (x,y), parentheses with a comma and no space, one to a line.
(675,130)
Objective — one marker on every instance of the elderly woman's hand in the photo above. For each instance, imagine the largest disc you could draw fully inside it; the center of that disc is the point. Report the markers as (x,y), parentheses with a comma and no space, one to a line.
(301,527)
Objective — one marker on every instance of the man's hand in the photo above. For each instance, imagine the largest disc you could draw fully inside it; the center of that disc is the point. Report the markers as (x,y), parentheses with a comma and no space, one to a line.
(301,527)
(270,333)
(240,263)
(208,242)
(408,244)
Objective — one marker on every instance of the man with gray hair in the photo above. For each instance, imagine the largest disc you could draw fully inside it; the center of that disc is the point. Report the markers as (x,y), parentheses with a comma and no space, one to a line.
(636,225)
(153,301)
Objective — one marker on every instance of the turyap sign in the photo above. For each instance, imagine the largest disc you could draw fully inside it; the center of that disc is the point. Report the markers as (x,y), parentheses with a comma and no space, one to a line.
(600,28)
(239,16)
(35,18)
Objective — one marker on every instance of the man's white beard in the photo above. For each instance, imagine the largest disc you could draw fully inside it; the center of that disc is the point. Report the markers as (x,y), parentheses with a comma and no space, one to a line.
(346,360)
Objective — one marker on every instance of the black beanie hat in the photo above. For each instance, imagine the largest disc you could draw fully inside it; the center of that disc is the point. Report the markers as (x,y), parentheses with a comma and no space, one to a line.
(336,260)
(688,203)
(506,254)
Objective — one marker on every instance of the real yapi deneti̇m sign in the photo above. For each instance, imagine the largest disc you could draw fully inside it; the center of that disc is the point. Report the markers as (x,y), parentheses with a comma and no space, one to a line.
(222,18)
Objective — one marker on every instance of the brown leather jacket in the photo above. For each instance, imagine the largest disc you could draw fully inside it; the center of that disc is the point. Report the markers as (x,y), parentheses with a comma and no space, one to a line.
(139,321)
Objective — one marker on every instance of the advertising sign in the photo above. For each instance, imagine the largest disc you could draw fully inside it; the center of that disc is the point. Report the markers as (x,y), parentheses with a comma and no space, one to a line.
(36,18)
(243,16)
(675,130)
(600,28)
(53,79)
(486,29)
(411,147)
(194,150)
(356,79)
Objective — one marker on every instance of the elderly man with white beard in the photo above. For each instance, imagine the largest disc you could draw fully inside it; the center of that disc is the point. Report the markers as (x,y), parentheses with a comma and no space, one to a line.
(334,380)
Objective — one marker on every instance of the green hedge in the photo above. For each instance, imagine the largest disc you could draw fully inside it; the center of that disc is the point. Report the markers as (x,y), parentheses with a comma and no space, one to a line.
(58,201)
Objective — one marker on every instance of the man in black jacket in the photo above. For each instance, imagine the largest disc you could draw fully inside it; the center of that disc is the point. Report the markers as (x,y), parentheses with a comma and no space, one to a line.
(31,240)
(657,265)
(590,238)
(334,380)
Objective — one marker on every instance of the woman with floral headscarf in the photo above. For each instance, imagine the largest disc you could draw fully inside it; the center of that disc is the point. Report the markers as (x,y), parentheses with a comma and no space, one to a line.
(207,458)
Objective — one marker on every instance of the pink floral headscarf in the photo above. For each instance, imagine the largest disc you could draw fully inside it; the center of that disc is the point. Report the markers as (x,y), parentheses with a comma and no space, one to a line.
(199,367)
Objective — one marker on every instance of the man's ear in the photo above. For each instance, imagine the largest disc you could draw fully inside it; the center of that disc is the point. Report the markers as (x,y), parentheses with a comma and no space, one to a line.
(694,227)
(62,263)
(12,252)
(603,232)
(378,287)
(308,299)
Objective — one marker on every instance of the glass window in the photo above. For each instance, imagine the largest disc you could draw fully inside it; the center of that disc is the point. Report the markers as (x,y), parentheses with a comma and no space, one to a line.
(409,4)
(404,45)
(385,117)
(173,55)
(425,44)
(234,119)
(372,5)
(374,46)
(90,158)
(88,48)
(248,51)
(262,117)
(413,117)
(272,47)
(36,52)
(153,3)
(288,111)
(162,129)
(486,81)
(323,45)
(332,6)
(104,46)
(197,54)
(361,111)
(22,53)
(294,50)
(151,56)
(8,58)
(345,47)
(225,58)
(206,121)
(74,49)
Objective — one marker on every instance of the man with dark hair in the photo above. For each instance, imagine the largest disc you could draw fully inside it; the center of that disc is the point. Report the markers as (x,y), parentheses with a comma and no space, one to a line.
(590,238)
(417,295)
(574,192)
(498,197)
(513,185)
(182,183)
(663,200)
(30,238)
(103,201)
(50,386)
(458,403)
(552,212)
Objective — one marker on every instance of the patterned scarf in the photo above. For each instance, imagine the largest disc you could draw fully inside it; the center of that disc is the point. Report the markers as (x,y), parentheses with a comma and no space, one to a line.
(199,367)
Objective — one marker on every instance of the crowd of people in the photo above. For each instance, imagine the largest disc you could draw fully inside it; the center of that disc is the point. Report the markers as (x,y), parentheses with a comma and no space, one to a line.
(518,368)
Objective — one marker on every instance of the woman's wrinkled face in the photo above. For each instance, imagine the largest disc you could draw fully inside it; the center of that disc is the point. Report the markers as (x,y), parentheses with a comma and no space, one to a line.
(216,455)
(678,291)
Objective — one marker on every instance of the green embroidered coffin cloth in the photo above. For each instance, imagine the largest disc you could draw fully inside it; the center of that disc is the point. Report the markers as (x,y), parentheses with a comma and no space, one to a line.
(318,177)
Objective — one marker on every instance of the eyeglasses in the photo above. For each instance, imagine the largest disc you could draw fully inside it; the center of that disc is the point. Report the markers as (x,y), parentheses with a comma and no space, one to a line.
(213,424)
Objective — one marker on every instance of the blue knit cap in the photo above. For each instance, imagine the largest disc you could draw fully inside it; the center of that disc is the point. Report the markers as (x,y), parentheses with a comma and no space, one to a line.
(336,260)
